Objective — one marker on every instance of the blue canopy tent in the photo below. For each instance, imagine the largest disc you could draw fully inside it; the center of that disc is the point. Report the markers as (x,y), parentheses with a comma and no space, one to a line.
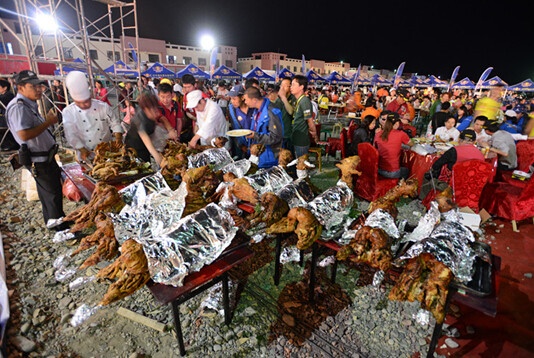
(362,81)
(285,73)
(433,81)
(525,86)
(312,76)
(225,73)
(121,69)
(466,83)
(157,70)
(405,83)
(337,79)
(378,80)
(258,74)
(492,82)
(193,70)
(77,65)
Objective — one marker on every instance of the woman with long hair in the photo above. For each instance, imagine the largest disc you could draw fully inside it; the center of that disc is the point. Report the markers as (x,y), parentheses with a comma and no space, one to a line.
(101,93)
(363,134)
(389,142)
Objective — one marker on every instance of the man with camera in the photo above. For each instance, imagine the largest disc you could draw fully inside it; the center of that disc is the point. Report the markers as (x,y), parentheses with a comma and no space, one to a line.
(38,144)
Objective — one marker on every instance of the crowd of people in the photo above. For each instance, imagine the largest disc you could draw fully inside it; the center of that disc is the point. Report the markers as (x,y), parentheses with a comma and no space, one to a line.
(281,115)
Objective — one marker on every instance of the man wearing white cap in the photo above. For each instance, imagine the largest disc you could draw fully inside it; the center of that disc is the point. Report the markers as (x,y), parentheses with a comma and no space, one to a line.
(211,122)
(87,122)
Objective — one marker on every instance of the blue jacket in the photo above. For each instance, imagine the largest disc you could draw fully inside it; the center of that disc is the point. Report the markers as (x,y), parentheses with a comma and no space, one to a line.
(268,131)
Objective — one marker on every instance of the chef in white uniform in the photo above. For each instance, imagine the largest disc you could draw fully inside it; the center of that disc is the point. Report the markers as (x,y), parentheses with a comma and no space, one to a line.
(87,122)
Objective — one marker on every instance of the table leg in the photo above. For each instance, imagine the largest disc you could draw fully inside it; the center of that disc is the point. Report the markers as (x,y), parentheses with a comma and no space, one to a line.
(334,272)
(438,327)
(277,259)
(178,326)
(313,263)
(226,299)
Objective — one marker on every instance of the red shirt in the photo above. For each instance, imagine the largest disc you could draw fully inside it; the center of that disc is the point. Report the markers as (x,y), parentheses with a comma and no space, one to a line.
(172,114)
(401,109)
(467,152)
(389,151)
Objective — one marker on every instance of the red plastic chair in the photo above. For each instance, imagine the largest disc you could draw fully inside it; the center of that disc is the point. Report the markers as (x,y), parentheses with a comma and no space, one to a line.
(335,144)
(525,158)
(370,186)
(509,201)
(468,181)
(350,133)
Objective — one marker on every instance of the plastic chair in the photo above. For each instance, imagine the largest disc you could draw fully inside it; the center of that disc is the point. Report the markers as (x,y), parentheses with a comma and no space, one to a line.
(370,186)
(335,144)
(336,130)
(525,158)
(509,201)
(468,181)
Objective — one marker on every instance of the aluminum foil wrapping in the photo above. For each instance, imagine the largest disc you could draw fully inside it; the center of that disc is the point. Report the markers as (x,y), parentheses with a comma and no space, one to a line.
(217,157)
(188,245)
(378,278)
(82,313)
(297,193)
(63,272)
(452,215)
(227,199)
(332,207)
(62,236)
(381,219)
(149,213)
(327,261)
(290,254)
(422,317)
(239,168)
(426,224)
(136,193)
(449,243)
(272,179)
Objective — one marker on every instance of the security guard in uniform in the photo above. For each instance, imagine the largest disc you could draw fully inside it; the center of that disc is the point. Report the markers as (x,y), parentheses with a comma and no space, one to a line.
(38,144)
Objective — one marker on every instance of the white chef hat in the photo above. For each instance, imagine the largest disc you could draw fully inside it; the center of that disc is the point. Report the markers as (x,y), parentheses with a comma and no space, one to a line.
(78,86)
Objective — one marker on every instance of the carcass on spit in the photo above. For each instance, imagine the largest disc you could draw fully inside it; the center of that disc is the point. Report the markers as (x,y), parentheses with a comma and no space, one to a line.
(284,158)
(370,246)
(272,210)
(104,236)
(349,168)
(241,189)
(387,202)
(303,223)
(445,201)
(426,280)
(201,185)
(130,270)
(105,198)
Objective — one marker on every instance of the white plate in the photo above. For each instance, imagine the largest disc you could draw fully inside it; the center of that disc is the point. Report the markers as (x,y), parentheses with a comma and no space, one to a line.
(238,132)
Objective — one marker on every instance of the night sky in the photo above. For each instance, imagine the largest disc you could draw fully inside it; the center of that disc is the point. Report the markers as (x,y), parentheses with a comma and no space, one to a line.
(431,37)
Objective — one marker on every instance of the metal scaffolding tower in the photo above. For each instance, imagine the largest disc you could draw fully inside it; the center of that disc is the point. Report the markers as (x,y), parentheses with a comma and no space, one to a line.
(74,33)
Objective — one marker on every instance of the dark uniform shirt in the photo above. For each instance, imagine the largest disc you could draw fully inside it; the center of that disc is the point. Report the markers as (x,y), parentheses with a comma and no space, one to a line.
(303,112)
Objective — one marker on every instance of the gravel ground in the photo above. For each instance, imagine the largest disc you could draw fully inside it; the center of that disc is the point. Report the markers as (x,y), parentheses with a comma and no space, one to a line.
(41,308)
